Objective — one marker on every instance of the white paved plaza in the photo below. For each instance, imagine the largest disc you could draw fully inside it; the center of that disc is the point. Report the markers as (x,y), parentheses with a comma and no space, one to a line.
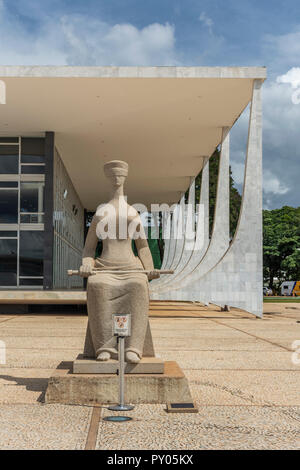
(239,368)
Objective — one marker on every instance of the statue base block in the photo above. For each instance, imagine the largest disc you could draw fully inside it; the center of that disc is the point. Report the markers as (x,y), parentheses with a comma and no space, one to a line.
(147,365)
(85,389)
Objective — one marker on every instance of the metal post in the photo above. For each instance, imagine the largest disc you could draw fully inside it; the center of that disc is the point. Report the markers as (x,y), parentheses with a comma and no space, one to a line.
(121,371)
(121,340)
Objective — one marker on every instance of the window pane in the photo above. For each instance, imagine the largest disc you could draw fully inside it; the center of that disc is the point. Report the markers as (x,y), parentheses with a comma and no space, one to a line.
(8,262)
(32,197)
(9,139)
(9,159)
(8,184)
(32,158)
(32,150)
(31,253)
(31,282)
(33,169)
(8,206)
(8,233)
(32,219)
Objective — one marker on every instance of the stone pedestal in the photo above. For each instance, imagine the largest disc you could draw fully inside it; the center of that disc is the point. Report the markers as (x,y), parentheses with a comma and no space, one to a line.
(84,389)
(147,365)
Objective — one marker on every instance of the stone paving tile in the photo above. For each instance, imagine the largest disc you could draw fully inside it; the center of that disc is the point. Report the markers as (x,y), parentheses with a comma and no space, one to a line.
(283,326)
(212,333)
(266,388)
(38,358)
(286,343)
(281,307)
(50,332)
(37,344)
(231,427)
(45,342)
(172,324)
(215,396)
(41,322)
(23,385)
(222,344)
(36,317)
(231,360)
(53,427)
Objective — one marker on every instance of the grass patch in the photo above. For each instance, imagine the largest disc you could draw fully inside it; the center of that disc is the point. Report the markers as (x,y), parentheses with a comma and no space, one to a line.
(282,299)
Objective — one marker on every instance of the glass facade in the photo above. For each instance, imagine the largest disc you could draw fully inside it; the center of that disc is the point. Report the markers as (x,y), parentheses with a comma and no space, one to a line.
(8,261)
(31,253)
(8,206)
(23,240)
(22,182)
(68,216)
(32,195)
(9,159)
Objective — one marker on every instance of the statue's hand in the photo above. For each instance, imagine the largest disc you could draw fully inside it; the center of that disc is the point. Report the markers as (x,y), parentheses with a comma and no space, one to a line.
(86,269)
(153,275)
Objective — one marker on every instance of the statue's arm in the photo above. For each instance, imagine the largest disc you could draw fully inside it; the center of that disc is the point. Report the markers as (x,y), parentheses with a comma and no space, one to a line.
(88,255)
(144,253)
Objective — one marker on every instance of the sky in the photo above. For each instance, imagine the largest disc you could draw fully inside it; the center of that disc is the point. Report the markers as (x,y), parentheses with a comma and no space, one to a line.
(186,33)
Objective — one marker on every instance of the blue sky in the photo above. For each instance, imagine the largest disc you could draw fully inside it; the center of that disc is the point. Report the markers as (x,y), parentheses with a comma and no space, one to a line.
(180,32)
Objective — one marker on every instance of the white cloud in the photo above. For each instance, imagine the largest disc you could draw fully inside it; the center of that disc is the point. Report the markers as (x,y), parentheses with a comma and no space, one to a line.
(292,77)
(280,145)
(284,49)
(272,184)
(121,44)
(206,21)
(84,40)
(87,40)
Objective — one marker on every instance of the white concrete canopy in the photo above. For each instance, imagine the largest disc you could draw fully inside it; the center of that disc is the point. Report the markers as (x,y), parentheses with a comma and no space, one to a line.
(162,120)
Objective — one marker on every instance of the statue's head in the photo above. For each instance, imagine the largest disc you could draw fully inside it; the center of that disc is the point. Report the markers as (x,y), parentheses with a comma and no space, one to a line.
(116,171)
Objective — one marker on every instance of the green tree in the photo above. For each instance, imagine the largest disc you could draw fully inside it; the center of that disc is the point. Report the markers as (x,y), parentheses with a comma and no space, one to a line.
(281,244)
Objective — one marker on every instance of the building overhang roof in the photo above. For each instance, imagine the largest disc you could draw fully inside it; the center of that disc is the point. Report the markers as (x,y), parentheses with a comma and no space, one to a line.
(162,120)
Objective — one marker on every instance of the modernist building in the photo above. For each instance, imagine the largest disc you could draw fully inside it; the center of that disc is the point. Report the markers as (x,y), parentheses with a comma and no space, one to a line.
(41,216)
(58,125)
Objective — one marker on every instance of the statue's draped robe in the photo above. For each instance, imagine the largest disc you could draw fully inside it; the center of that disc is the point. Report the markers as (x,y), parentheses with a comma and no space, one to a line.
(108,294)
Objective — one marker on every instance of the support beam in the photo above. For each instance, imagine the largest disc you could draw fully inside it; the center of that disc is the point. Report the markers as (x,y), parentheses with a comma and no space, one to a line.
(48,218)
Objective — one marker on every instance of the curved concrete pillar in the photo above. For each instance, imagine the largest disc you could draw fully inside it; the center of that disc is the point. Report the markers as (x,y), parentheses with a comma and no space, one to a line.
(185,245)
(220,234)
(236,280)
(166,227)
(192,256)
(178,232)
(166,235)
(171,249)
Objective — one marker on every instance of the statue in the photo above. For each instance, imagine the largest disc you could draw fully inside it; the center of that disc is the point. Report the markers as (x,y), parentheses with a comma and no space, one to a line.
(109,293)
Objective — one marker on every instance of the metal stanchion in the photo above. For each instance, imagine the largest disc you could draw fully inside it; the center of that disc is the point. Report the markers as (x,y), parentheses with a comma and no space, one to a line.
(121,406)
(121,329)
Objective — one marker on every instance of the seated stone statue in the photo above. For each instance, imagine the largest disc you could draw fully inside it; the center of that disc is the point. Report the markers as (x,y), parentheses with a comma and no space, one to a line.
(109,293)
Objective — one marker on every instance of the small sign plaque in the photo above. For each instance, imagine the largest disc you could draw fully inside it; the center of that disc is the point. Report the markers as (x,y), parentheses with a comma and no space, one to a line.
(121,324)
(181,408)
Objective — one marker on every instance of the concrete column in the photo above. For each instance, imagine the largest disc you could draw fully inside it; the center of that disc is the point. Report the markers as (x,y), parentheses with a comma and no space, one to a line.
(48,218)
(184,246)
(236,280)
(178,243)
(220,234)
(192,254)
(40,203)
(166,226)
